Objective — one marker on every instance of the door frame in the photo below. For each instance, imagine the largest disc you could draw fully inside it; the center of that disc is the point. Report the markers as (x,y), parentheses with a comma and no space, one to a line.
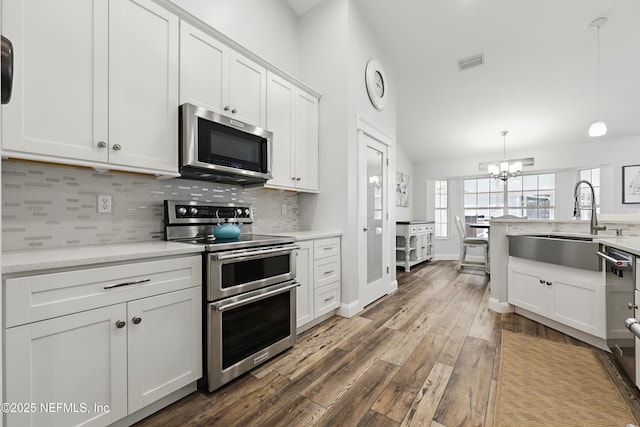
(366,129)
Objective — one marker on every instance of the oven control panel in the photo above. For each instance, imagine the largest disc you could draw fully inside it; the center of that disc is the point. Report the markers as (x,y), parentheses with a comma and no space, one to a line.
(181,212)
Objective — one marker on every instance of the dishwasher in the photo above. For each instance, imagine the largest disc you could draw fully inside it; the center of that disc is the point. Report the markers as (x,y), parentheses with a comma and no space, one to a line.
(621,307)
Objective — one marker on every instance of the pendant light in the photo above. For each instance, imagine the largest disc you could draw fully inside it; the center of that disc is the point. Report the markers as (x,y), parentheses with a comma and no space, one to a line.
(597,128)
(505,170)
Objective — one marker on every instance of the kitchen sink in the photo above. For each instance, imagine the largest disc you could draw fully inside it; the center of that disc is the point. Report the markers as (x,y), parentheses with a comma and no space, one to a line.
(569,250)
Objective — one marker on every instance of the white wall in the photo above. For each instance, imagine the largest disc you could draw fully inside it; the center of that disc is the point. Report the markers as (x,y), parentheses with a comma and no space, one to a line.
(268,28)
(336,45)
(405,165)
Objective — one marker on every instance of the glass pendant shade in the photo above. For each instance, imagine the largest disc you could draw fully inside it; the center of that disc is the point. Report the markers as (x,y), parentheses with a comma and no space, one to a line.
(504,170)
(597,129)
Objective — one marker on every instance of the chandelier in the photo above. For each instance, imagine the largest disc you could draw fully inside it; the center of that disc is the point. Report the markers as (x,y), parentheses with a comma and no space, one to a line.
(597,128)
(504,170)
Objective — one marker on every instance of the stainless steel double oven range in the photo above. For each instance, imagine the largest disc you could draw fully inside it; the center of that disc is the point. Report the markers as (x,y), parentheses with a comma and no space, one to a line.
(249,288)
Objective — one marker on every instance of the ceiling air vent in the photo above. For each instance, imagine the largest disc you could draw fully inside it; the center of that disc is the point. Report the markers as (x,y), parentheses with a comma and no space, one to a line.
(472,61)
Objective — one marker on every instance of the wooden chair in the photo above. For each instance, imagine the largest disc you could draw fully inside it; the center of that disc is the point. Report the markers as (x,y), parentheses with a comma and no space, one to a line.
(470,241)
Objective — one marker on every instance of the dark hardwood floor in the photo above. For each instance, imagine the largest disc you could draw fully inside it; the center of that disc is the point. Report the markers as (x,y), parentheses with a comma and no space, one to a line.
(426,355)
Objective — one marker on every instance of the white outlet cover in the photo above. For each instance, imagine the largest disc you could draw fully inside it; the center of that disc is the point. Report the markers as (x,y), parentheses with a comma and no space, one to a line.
(104,203)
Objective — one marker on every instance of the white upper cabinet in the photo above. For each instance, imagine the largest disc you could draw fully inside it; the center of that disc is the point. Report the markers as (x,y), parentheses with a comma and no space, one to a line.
(292,116)
(218,78)
(143,85)
(95,84)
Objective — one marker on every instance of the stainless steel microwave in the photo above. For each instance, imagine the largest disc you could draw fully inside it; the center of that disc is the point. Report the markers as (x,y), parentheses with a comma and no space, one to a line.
(215,147)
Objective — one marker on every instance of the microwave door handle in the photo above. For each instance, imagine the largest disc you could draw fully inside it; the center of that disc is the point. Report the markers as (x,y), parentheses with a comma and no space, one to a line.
(252,254)
(225,307)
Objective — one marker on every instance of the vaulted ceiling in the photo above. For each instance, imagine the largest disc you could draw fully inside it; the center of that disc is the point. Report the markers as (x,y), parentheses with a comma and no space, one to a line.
(538,79)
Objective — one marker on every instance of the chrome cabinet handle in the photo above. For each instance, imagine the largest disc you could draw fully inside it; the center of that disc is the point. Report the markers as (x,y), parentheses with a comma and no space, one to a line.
(542,281)
(549,283)
(117,147)
(328,299)
(136,320)
(235,110)
(631,306)
(102,144)
(365,229)
(226,108)
(120,324)
(134,282)
(326,273)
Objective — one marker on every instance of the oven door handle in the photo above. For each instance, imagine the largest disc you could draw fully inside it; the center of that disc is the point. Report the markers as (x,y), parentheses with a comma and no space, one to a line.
(252,254)
(221,306)
(614,261)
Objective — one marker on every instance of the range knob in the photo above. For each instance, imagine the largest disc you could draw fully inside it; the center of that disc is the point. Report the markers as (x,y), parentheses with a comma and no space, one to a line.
(247,211)
(239,211)
(182,210)
(193,210)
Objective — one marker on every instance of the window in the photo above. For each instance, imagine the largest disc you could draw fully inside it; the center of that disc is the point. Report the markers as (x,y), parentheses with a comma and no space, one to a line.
(483,198)
(441,210)
(593,176)
(530,196)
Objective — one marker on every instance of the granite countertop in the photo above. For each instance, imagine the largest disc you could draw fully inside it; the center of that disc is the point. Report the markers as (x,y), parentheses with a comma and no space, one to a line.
(308,235)
(24,261)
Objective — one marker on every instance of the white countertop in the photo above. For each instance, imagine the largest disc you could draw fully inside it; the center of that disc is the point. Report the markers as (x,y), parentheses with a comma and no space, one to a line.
(628,244)
(24,261)
(309,235)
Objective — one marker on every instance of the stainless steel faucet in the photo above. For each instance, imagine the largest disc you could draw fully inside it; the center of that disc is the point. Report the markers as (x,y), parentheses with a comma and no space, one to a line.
(576,207)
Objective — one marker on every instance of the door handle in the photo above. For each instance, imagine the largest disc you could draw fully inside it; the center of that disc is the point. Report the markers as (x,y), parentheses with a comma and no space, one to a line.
(365,229)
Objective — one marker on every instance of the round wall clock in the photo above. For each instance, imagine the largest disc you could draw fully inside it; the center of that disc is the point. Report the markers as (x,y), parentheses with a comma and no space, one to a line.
(376,82)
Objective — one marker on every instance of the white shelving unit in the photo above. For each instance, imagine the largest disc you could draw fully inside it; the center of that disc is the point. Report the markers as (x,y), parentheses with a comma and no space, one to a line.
(414,243)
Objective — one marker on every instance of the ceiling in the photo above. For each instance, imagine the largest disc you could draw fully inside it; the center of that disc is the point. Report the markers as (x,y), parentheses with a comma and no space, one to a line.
(538,80)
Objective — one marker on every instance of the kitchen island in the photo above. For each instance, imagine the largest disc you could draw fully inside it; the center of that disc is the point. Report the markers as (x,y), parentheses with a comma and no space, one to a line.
(502,301)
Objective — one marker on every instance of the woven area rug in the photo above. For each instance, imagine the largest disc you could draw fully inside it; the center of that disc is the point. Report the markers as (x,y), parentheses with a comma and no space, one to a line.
(545,383)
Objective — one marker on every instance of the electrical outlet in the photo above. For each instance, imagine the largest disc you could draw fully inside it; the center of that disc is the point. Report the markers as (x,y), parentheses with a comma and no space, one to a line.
(284,208)
(104,203)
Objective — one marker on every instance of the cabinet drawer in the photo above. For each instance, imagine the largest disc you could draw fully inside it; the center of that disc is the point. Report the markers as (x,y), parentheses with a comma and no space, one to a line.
(413,229)
(327,298)
(323,248)
(326,270)
(34,298)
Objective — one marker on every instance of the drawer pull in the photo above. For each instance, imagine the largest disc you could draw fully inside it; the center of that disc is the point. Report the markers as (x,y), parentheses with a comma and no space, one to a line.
(328,299)
(136,320)
(120,324)
(328,248)
(134,282)
(326,273)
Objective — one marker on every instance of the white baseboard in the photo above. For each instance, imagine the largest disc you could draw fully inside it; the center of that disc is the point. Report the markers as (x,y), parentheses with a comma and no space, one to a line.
(349,310)
(393,287)
(500,306)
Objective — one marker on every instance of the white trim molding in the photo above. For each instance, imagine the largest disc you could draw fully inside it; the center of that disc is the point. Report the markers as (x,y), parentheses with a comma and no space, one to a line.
(349,310)
(500,306)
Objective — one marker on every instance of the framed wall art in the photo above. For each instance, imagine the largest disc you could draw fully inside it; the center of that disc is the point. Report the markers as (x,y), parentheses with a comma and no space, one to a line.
(402,189)
(631,184)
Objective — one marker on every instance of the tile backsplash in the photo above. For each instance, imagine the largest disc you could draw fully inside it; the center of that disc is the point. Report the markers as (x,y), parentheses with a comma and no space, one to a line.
(52,206)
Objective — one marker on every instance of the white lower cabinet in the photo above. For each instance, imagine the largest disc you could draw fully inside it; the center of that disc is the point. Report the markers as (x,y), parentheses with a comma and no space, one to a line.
(570,296)
(97,366)
(304,276)
(318,270)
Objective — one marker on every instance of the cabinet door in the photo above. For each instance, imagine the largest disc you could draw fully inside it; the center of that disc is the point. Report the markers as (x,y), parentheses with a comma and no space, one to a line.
(204,69)
(304,276)
(165,345)
(59,103)
(143,85)
(306,142)
(280,114)
(526,291)
(79,359)
(247,89)
(580,306)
